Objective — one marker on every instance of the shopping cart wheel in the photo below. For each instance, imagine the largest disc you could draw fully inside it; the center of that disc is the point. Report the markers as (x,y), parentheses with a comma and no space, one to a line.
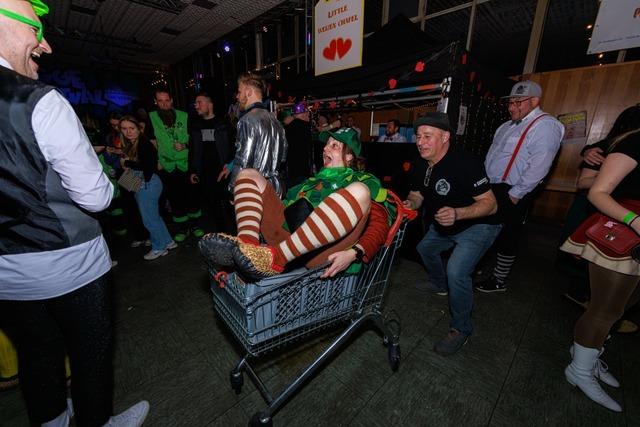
(394,356)
(237,380)
(260,420)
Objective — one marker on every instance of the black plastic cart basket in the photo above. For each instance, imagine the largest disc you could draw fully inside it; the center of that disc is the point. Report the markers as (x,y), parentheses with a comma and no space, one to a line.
(279,310)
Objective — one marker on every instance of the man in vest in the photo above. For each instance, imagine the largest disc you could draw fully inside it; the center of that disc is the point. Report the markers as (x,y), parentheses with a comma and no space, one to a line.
(519,158)
(54,292)
(169,130)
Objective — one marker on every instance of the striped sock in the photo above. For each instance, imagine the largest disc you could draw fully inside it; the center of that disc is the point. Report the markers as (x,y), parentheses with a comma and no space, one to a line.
(503,267)
(248,205)
(333,219)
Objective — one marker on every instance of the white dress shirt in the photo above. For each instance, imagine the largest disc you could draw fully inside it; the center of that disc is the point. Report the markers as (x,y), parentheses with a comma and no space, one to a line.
(65,146)
(535,157)
(396,137)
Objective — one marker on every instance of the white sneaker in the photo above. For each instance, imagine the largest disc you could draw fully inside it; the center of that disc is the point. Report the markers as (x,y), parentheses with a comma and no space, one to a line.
(172,245)
(137,243)
(132,417)
(155,254)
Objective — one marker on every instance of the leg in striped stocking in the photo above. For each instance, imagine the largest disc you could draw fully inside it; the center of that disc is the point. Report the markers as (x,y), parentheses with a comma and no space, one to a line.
(247,195)
(336,216)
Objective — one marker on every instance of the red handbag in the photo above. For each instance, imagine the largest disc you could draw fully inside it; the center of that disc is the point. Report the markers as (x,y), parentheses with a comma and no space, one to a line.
(609,234)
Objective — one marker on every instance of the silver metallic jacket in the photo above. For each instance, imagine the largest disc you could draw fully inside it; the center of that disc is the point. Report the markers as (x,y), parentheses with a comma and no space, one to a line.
(260,145)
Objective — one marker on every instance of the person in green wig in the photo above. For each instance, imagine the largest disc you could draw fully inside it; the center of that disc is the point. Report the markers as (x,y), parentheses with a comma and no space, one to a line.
(339,216)
(55,292)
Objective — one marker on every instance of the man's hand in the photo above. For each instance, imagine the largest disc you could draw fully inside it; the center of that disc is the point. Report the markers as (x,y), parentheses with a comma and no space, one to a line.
(194,178)
(593,156)
(224,174)
(514,200)
(446,216)
(339,262)
(179,146)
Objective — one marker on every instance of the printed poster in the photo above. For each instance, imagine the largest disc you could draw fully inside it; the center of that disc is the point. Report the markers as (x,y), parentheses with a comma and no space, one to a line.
(575,126)
(338,35)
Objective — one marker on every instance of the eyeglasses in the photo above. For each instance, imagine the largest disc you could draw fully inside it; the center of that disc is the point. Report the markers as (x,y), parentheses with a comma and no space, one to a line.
(517,103)
(35,24)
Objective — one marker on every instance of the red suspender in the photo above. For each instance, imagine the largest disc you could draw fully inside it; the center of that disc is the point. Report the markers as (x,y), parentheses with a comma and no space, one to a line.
(520,141)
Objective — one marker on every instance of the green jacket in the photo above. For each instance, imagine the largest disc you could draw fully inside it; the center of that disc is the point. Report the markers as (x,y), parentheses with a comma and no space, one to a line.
(168,157)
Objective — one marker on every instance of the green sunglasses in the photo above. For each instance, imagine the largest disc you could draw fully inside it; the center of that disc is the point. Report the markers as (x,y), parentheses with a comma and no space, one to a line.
(39,8)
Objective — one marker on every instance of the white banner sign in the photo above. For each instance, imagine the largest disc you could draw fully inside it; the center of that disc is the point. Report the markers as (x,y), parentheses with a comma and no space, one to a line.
(338,26)
(617,26)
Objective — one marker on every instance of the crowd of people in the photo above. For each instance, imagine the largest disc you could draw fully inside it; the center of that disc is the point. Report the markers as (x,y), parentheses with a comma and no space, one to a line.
(257,202)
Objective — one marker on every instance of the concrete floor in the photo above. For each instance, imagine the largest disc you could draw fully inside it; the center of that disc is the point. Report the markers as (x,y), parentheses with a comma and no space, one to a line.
(172,350)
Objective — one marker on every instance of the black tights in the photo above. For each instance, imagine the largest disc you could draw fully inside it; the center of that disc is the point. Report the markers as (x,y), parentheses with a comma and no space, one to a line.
(611,294)
(80,322)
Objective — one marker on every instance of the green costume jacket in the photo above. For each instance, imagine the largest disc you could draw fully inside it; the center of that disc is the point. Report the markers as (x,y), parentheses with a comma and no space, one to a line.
(168,157)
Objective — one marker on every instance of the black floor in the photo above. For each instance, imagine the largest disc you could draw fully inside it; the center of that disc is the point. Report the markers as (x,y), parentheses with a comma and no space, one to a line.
(173,351)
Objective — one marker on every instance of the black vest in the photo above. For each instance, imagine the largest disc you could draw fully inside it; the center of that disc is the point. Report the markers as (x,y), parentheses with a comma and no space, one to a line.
(36,213)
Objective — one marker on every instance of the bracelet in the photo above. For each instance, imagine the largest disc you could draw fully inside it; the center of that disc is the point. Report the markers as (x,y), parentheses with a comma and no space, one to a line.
(630,216)
(631,222)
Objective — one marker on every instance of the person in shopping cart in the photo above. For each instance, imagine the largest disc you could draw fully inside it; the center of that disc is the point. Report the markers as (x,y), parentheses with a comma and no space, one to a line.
(454,189)
(322,219)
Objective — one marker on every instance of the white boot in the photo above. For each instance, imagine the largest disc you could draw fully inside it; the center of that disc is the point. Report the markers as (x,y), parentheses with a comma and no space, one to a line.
(581,373)
(602,370)
(132,417)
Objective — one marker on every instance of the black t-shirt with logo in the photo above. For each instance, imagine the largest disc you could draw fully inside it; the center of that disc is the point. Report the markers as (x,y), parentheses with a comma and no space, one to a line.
(454,181)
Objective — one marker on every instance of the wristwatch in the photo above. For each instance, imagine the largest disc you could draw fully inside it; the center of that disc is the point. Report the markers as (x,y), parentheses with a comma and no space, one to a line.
(359,253)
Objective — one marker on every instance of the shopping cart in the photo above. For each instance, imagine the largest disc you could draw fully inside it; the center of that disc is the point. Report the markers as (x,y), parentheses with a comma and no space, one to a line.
(279,310)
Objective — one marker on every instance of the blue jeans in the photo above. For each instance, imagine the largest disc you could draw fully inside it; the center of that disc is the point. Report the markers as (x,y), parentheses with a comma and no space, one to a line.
(147,198)
(470,246)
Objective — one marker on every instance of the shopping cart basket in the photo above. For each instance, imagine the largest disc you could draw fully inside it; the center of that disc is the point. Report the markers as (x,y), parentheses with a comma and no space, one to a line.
(279,310)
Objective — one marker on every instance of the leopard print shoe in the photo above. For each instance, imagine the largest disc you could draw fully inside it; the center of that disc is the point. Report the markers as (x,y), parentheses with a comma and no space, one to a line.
(255,262)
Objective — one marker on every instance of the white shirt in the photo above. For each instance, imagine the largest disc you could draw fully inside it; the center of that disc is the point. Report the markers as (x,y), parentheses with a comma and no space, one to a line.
(396,137)
(65,146)
(532,164)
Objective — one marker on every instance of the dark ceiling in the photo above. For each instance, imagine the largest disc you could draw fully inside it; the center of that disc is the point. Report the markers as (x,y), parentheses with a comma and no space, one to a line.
(145,35)
(141,34)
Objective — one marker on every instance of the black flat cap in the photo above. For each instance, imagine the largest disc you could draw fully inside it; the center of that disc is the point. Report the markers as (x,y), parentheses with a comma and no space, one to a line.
(436,120)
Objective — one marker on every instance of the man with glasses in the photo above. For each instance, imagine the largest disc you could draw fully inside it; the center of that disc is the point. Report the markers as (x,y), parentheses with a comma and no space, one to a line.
(519,158)
(54,261)
(454,189)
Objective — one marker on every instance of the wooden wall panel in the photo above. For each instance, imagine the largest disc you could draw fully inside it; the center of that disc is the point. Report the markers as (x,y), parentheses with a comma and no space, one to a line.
(603,92)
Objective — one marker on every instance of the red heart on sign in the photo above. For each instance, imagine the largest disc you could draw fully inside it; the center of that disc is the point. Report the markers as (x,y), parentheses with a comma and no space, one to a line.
(419,66)
(329,52)
(343,47)
(392,83)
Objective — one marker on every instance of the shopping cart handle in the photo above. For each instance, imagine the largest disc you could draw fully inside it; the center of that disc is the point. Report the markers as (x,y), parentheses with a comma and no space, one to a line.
(403,213)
